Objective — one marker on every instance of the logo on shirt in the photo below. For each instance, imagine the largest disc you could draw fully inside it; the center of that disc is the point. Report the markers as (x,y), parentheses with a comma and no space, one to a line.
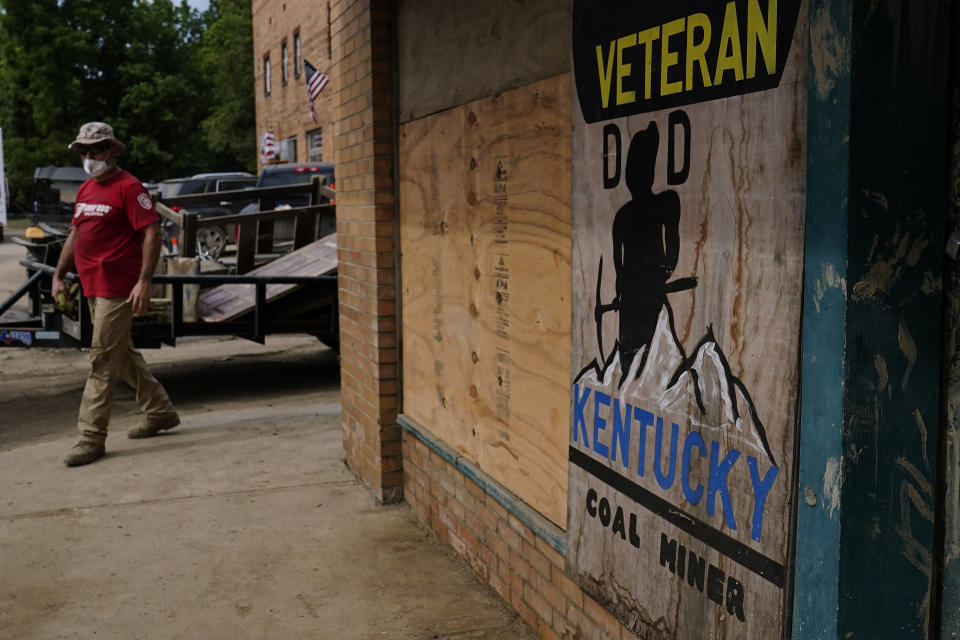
(145,201)
(84,209)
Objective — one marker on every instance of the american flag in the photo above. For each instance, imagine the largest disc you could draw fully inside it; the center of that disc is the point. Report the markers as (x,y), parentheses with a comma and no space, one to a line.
(268,146)
(316,81)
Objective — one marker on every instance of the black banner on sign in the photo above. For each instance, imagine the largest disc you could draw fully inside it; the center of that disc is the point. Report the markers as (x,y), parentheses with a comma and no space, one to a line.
(633,57)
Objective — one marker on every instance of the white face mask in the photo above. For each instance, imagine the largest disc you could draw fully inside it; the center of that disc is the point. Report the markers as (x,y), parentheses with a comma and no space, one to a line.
(94,167)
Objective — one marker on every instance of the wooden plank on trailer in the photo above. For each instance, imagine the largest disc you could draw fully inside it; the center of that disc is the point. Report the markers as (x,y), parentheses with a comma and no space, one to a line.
(485,237)
(246,246)
(305,227)
(229,301)
(184,266)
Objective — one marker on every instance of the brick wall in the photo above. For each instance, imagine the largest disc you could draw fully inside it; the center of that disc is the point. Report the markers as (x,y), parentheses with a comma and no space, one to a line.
(366,220)
(286,110)
(520,565)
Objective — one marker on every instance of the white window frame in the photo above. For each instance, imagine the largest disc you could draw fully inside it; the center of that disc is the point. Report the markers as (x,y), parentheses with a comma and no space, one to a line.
(288,149)
(297,53)
(311,148)
(267,84)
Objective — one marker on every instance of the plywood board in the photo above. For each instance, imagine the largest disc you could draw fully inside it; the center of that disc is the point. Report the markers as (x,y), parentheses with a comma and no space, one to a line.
(229,301)
(485,237)
(175,265)
(476,49)
(687,273)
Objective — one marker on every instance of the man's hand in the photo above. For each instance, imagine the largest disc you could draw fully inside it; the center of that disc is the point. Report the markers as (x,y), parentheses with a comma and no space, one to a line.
(57,287)
(140,294)
(139,297)
(64,264)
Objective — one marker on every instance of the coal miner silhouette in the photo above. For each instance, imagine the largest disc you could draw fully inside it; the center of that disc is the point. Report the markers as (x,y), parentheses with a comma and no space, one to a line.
(646,247)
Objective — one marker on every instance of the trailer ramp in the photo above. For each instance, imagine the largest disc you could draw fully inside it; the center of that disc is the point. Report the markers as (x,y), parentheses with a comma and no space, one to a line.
(231,301)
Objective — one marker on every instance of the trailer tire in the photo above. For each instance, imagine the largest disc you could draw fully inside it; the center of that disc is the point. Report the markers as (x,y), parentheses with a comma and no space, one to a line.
(211,241)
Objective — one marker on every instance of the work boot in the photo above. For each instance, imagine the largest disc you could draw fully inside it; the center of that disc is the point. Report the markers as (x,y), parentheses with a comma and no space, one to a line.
(84,452)
(154,425)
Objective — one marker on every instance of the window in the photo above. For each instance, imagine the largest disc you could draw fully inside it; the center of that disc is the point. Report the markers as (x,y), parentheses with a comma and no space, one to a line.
(297,53)
(266,74)
(315,145)
(288,149)
(284,62)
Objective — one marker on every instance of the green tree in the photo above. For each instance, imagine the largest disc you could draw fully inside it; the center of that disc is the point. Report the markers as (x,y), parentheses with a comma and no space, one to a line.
(164,96)
(226,56)
(39,90)
(175,84)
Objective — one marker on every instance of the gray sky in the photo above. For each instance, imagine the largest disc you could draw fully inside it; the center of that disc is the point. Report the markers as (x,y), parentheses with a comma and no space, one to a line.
(199,4)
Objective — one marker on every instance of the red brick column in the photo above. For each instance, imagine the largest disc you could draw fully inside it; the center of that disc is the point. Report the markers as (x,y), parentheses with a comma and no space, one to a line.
(366,220)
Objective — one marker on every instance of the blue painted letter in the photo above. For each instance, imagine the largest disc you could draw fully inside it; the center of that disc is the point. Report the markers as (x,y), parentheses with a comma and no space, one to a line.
(761,489)
(665,480)
(718,482)
(694,439)
(621,433)
(599,423)
(646,420)
(579,403)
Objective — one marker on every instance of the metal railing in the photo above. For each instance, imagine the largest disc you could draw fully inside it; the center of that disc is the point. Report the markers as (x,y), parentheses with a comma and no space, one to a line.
(152,332)
(254,231)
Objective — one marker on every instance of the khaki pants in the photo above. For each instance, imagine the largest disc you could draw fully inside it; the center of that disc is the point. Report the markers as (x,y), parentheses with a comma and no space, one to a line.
(112,356)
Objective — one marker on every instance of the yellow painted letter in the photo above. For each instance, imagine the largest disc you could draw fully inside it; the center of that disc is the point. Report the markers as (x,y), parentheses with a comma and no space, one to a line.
(730,55)
(669,58)
(697,51)
(647,38)
(606,74)
(623,68)
(764,33)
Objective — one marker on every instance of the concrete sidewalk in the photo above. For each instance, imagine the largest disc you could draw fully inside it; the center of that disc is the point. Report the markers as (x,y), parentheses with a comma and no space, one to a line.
(242,523)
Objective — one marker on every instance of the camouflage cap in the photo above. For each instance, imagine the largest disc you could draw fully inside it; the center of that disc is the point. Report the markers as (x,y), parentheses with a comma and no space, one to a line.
(94,132)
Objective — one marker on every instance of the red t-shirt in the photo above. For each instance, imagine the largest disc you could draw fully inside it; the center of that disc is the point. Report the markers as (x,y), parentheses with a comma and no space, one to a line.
(108,250)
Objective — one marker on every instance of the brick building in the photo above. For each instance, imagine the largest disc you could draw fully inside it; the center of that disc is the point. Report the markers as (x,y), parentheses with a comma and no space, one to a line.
(285,36)
(482,165)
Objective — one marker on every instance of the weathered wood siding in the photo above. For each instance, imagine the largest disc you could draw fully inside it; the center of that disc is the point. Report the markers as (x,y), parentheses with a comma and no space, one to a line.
(683,414)
(457,51)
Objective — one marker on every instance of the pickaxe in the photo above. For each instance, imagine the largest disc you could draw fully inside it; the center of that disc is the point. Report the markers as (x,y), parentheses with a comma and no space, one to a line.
(680,284)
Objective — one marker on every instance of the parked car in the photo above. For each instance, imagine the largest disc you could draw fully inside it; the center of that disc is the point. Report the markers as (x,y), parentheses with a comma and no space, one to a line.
(286,174)
(171,187)
(281,175)
(211,183)
(211,241)
(55,190)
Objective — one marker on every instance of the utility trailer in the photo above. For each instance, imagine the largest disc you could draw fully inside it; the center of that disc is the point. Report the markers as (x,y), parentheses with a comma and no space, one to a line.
(267,285)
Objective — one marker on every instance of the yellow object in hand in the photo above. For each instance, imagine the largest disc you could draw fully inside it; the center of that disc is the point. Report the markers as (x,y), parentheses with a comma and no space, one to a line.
(66,301)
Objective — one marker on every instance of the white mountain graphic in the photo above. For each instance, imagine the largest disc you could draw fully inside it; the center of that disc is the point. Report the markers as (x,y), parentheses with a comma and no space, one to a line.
(700,386)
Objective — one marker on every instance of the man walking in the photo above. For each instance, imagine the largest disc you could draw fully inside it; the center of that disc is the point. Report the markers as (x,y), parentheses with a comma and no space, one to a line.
(114,245)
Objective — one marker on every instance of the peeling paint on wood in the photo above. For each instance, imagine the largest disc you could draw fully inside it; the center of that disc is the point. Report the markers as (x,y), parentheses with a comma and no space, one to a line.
(829,53)
(830,279)
(832,482)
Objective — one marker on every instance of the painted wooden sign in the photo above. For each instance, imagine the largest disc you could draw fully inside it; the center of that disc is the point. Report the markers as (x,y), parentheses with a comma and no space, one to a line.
(688,208)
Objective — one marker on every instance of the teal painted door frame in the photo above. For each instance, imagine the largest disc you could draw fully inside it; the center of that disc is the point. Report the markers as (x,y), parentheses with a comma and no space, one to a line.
(870,362)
